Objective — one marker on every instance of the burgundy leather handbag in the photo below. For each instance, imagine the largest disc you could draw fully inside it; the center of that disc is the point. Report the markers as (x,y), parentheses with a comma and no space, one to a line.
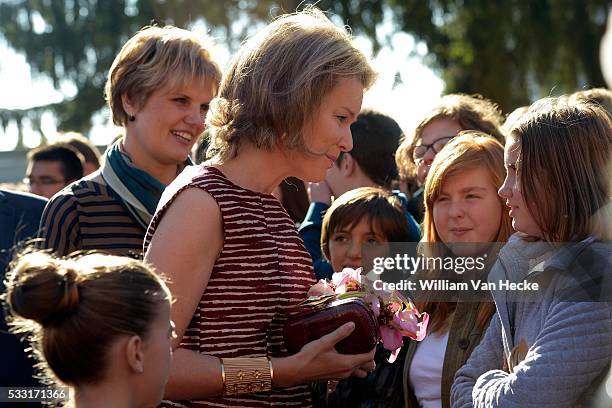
(313,320)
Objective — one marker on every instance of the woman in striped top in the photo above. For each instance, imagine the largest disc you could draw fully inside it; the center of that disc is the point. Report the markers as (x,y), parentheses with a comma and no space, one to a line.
(234,258)
(159,88)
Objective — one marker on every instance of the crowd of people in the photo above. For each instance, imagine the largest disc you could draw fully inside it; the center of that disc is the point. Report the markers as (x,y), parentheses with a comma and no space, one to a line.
(163,271)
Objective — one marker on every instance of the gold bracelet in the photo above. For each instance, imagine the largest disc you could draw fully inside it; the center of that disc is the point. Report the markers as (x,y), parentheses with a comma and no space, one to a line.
(247,375)
(271,372)
(222,376)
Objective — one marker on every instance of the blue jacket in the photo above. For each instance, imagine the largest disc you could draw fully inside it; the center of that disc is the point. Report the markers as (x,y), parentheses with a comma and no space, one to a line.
(550,347)
(310,231)
(19,218)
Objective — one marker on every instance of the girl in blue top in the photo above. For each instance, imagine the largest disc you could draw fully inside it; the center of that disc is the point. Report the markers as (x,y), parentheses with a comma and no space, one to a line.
(551,346)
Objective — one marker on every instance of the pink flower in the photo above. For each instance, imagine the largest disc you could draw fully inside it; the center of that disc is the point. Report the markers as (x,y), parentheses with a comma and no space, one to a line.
(349,280)
(397,316)
(321,288)
(407,322)
(391,338)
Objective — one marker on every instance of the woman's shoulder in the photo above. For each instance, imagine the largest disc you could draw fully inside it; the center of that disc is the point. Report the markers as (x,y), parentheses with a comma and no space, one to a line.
(184,202)
(189,191)
(201,175)
(602,249)
(191,176)
(588,252)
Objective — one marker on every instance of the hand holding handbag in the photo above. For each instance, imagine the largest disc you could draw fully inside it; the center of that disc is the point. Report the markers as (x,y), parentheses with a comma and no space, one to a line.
(312,320)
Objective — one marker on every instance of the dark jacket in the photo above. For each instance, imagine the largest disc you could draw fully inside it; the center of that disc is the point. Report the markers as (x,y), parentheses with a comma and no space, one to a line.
(19,218)
(416,205)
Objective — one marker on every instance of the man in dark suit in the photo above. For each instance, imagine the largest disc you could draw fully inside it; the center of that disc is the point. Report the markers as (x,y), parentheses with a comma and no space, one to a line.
(19,218)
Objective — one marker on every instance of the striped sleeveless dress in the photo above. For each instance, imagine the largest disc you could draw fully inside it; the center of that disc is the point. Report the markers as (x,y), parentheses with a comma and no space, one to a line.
(262,270)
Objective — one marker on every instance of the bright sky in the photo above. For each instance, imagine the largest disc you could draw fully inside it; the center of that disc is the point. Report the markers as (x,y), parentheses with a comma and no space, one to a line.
(404,100)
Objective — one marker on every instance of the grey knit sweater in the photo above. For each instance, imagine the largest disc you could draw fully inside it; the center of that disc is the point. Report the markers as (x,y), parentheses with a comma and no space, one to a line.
(550,350)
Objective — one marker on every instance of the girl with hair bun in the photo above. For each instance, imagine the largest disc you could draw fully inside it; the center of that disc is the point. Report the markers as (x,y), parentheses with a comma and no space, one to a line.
(98,323)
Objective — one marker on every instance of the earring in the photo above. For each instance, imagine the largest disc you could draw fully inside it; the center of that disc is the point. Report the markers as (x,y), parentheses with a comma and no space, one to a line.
(131,118)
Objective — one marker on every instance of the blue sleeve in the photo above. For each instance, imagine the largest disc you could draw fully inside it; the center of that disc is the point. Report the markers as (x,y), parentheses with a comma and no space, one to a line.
(414,231)
(571,351)
(310,231)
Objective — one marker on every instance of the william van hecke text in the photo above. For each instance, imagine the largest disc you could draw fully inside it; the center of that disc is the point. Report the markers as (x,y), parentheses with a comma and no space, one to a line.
(448,285)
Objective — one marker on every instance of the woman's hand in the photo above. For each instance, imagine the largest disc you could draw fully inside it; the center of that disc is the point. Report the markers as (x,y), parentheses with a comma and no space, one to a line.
(319,360)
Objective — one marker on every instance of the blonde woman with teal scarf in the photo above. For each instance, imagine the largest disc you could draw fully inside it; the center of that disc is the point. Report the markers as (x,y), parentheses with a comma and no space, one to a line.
(159,88)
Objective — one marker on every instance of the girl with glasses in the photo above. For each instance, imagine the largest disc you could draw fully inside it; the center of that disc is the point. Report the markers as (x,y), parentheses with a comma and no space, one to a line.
(452,114)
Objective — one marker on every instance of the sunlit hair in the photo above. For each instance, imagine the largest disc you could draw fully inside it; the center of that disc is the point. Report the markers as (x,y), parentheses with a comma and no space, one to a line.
(74,309)
(277,80)
(470,150)
(599,96)
(382,209)
(513,117)
(471,112)
(154,58)
(564,168)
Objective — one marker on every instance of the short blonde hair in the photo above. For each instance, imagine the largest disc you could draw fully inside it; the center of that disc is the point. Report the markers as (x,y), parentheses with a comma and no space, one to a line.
(473,112)
(277,80)
(156,57)
(564,167)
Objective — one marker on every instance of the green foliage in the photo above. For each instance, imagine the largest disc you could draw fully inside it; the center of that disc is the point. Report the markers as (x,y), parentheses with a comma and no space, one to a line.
(72,41)
(512,51)
(77,40)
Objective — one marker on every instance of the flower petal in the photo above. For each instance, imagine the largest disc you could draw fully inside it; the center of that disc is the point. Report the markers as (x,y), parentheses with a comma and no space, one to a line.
(341,289)
(408,323)
(391,338)
(394,354)
(422,332)
(339,278)
(320,288)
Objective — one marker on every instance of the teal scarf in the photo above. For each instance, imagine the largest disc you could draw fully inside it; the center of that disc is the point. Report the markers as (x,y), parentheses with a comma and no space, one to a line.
(138,190)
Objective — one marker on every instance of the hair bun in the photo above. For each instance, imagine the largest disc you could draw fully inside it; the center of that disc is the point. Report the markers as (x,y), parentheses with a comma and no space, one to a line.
(43,289)
(70,299)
